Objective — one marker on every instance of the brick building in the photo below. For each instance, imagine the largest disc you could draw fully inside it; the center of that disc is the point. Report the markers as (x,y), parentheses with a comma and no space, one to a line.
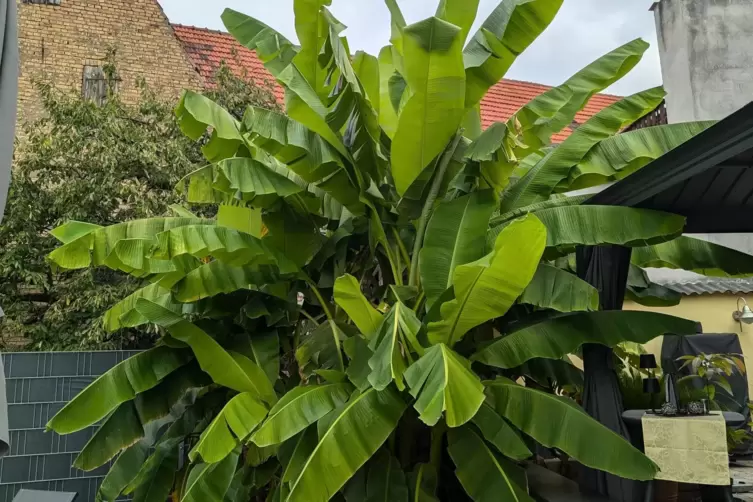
(68,41)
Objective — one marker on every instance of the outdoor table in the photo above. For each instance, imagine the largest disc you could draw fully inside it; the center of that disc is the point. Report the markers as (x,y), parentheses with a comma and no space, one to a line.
(689,449)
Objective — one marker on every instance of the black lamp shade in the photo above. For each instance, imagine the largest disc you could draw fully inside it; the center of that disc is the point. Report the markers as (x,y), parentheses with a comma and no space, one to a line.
(648,361)
(650,385)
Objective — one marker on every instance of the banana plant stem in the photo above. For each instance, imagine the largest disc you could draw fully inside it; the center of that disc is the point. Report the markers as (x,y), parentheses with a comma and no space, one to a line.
(429,207)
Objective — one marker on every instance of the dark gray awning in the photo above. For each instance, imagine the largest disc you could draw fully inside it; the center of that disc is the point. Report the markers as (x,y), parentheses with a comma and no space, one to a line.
(709,179)
(8,92)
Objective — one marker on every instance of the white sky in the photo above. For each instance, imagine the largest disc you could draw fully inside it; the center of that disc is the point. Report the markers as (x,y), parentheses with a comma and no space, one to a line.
(583,31)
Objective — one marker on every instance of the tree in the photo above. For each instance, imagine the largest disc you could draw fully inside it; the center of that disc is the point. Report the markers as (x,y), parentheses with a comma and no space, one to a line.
(379,275)
(105,165)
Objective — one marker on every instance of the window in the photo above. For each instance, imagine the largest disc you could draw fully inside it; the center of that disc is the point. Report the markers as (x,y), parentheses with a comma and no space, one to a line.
(96,85)
(42,2)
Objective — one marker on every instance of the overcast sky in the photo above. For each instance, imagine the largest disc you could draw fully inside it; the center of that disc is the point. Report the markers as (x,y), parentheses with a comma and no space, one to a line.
(583,31)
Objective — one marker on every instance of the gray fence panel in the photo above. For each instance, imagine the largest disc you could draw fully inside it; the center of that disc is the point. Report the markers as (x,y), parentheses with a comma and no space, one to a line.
(39,384)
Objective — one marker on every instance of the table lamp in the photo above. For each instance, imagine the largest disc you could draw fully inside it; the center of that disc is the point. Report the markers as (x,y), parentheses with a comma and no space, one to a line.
(650,384)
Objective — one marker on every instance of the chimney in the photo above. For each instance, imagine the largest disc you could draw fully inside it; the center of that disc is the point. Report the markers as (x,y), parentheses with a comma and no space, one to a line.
(706,50)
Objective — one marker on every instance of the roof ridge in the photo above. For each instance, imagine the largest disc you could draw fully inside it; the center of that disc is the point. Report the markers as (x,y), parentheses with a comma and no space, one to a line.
(199,28)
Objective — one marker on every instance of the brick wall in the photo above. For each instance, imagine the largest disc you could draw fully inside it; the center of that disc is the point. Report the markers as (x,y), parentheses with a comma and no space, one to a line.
(57,41)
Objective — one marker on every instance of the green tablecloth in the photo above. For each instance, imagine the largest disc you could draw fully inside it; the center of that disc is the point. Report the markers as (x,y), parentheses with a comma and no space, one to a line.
(688,449)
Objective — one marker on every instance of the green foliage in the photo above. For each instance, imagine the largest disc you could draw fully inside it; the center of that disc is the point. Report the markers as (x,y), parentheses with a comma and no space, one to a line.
(384,295)
(99,164)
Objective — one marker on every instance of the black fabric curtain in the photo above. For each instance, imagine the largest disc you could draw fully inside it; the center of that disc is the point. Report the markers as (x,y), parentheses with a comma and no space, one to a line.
(605,268)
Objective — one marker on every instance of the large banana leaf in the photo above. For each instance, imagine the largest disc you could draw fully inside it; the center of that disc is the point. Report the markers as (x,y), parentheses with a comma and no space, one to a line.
(366,421)
(498,432)
(506,33)
(232,370)
(644,292)
(423,483)
(485,475)
(298,409)
(273,49)
(359,353)
(434,71)
(123,471)
(310,26)
(557,337)
(558,422)
(297,239)
(124,314)
(455,236)
(72,230)
(94,248)
(442,381)
(159,487)
(555,201)
(265,352)
(122,383)
(570,226)
(553,288)
(122,429)
(387,112)
(625,153)
(294,453)
(250,180)
(349,297)
(392,346)
(487,288)
(216,278)
(555,109)
(234,423)
(210,482)
(461,13)
(197,113)
(695,255)
(386,480)
(226,244)
(540,182)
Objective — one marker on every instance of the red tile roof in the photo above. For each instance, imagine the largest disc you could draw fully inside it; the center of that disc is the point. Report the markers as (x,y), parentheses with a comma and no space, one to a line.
(208,48)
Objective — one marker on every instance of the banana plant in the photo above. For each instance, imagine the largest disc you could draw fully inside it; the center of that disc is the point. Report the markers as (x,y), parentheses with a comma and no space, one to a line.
(369,313)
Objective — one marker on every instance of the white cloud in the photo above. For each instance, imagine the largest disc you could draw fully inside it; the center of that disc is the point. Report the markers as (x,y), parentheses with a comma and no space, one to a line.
(583,31)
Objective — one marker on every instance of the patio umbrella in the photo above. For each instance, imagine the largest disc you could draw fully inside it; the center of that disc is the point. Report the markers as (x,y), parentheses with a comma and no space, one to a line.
(8,97)
(606,269)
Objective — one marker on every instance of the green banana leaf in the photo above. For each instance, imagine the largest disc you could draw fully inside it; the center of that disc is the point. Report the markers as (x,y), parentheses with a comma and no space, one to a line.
(216,278)
(72,230)
(484,474)
(559,336)
(298,409)
(556,200)
(123,470)
(455,236)
(210,482)
(234,423)
(430,118)
(501,434)
(310,18)
(122,429)
(461,13)
(387,113)
(159,487)
(386,479)
(558,422)
(366,68)
(265,352)
(275,51)
(366,420)
(320,350)
(359,353)
(570,226)
(508,31)
(201,241)
(695,255)
(392,345)
(397,25)
(349,297)
(297,239)
(487,288)
(231,370)
(623,154)
(124,314)
(423,483)
(553,372)
(442,381)
(251,181)
(555,109)
(541,181)
(94,248)
(197,113)
(644,292)
(240,218)
(120,384)
(295,452)
(553,288)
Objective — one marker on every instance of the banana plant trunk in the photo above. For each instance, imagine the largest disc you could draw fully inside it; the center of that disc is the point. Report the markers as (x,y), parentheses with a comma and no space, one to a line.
(606,269)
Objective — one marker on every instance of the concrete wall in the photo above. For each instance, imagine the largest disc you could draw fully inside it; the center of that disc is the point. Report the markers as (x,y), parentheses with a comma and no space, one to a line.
(706,49)
(56,42)
(715,313)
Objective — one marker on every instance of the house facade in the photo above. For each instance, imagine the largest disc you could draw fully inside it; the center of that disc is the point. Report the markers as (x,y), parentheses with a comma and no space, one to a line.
(70,43)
